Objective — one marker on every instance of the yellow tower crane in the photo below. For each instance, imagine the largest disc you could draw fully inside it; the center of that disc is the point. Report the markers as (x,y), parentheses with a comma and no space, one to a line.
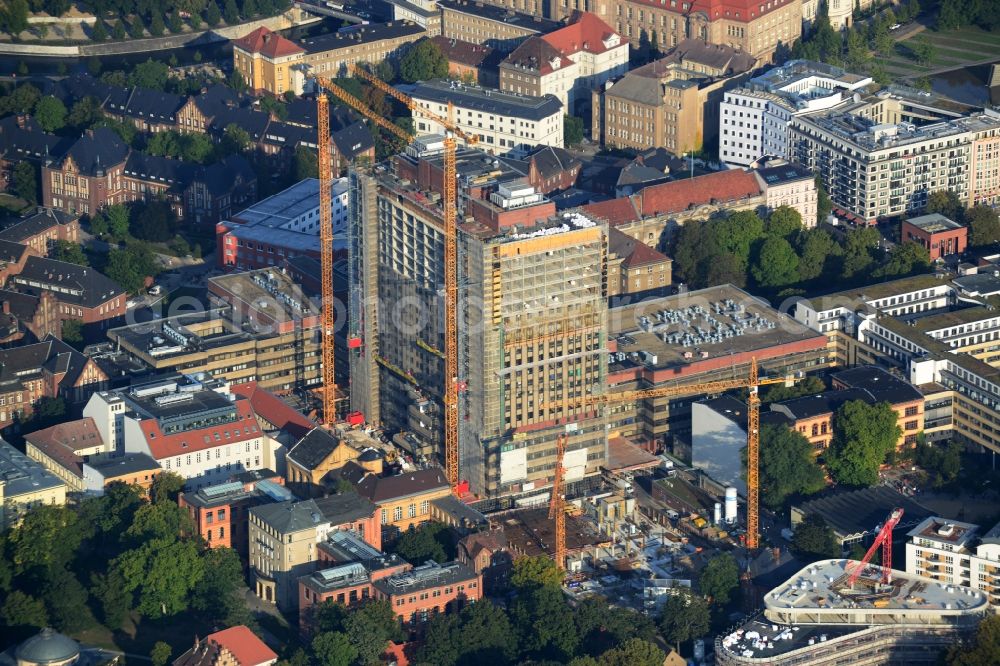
(450,204)
(752,382)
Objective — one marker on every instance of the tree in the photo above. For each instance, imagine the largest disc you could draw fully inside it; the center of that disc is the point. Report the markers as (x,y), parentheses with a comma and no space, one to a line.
(419,544)
(250,9)
(633,652)
(784,221)
(166,487)
(130,267)
(220,596)
(212,15)
(118,31)
(572,130)
(66,601)
(175,25)
(150,74)
(737,233)
(816,248)
(859,248)
(685,617)
(161,573)
(235,139)
(905,259)
(602,627)
(814,539)
(70,252)
(534,572)
(306,163)
(156,221)
(135,29)
(481,633)
(117,216)
(984,650)
(949,17)
(984,226)
(370,627)
(25,182)
(156,26)
(14,17)
(72,332)
(545,623)
(99,33)
(48,412)
(230,12)
(422,62)
(158,520)
(84,113)
(788,466)
(160,654)
(115,602)
(719,578)
(237,82)
(857,50)
(863,435)
(923,52)
(23,611)
(942,463)
(777,264)
(947,203)
(824,205)
(334,649)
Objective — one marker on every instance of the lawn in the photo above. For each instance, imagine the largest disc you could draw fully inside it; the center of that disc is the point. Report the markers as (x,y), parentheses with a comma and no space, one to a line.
(953,48)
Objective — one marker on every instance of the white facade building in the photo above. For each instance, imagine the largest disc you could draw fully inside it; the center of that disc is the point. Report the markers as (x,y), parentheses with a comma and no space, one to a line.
(753,120)
(505,123)
(956,553)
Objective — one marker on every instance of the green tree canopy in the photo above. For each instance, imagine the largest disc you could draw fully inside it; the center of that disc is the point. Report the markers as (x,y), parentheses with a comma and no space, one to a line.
(151,74)
(534,572)
(633,652)
(784,221)
(221,595)
(212,15)
(946,203)
(685,617)
(160,654)
(72,332)
(370,627)
(983,651)
(306,163)
(161,573)
(70,252)
(984,226)
(719,578)
(14,16)
(814,539)
(545,622)
(777,265)
(334,649)
(426,542)
(23,614)
(905,259)
(572,131)
(787,466)
(154,221)
(50,113)
(422,62)
(863,436)
(480,634)
(860,246)
(25,182)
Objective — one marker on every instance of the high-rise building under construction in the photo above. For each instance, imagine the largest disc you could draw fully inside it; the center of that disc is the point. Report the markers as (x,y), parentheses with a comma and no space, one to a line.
(532,320)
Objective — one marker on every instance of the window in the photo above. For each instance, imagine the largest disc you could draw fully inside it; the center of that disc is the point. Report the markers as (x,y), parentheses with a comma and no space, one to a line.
(397,513)
(425,507)
(412,511)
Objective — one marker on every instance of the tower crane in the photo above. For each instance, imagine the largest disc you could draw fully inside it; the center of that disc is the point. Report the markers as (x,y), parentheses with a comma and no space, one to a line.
(557,505)
(450,204)
(883,541)
(752,382)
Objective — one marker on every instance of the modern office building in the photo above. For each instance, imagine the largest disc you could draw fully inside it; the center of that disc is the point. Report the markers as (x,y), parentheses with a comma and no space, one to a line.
(754,119)
(815,619)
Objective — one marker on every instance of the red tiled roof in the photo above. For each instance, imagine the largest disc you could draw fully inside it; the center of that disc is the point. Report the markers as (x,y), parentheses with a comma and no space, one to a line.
(680,195)
(734,10)
(244,646)
(585,32)
(615,211)
(163,446)
(634,253)
(61,442)
(267,43)
(273,409)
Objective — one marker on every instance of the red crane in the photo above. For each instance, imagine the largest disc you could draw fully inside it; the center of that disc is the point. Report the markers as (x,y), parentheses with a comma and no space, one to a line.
(884,539)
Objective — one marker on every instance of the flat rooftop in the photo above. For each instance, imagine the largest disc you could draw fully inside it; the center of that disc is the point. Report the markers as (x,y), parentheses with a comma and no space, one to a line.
(424,577)
(879,290)
(268,290)
(949,532)
(676,331)
(531,532)
(486,100)
(816,586)
(934,223)
(214,330)
(282,209)
(22,475)
(501,15)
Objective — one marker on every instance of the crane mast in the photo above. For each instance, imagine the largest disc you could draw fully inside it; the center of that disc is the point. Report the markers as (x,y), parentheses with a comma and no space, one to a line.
(329,387)
(557,505)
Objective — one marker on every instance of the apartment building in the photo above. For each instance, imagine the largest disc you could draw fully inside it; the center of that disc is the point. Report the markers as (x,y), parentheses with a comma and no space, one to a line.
(567,63)
(25,484)
(940,236)
(943,340)
(753,120)
(672,102)
(285,540)
(505,123)
(874,169)
(267,61)
(332,54)
(537,283)
(790,185)
(486,24)
(282,226)
(956,553)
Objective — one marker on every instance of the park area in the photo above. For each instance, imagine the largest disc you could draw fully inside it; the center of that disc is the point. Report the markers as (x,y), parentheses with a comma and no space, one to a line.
(928,52)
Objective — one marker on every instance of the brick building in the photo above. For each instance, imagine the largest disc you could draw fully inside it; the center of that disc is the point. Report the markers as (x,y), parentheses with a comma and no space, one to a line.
(41,230)
(83,294)
(419,594)
(942,237)
(404,500)
(235,646)
(472,63)
(267,62)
